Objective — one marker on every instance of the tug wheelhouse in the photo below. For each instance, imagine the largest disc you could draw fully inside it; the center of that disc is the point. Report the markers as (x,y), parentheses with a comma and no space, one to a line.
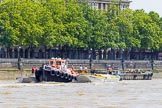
(56,70)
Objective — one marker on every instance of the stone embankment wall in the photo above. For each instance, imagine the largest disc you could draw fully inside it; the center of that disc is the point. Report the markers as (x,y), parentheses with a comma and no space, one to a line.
(97,64)
(9,71)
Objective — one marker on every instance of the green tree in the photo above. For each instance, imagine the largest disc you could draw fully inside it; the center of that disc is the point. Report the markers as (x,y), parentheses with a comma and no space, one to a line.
(125,24)
(22,21)
(146,30)
(74,23)
(112,37)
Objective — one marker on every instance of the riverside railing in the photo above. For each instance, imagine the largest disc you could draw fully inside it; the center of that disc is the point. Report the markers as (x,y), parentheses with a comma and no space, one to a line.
(98,64)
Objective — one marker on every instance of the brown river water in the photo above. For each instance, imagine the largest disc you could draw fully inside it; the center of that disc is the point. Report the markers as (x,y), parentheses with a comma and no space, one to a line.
(123,94)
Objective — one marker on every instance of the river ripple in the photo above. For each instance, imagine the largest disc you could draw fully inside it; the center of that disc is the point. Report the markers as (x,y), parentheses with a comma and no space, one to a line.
(123,94)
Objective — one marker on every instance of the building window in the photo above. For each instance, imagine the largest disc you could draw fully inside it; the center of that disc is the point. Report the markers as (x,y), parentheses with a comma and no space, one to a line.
(104,6)
(93,4)
(124,6)
(99,5)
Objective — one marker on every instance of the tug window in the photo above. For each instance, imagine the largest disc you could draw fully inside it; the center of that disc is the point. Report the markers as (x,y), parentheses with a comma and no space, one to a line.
(58,63)
(51,63)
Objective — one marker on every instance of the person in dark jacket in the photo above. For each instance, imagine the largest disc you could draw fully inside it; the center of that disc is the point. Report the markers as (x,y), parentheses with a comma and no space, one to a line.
(92,71)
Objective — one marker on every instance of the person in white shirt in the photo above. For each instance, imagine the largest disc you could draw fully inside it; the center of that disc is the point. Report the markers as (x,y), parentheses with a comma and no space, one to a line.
(85,69)
(80,69)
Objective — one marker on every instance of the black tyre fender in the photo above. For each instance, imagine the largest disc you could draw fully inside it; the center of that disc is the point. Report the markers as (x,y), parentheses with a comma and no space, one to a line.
(41,78)
(57,73)
(70,77)
(37,75)
(66,76)
(53,73)
(62,75)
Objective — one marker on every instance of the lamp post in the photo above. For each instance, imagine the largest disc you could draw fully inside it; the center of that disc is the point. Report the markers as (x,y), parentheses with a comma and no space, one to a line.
(122,59)
(152,60)
(0,51)
(19,60)
(90,59)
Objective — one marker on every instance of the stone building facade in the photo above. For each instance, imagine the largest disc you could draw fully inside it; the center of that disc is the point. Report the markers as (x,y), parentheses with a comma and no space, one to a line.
(103,4)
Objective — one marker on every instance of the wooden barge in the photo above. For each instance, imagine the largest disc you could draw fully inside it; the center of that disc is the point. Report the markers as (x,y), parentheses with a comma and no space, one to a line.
(147,75)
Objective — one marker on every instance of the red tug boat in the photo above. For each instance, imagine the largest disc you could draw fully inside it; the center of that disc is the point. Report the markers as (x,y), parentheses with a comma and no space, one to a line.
(56,70)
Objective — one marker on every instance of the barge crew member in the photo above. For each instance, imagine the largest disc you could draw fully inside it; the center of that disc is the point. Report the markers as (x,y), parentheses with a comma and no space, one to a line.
(33,69)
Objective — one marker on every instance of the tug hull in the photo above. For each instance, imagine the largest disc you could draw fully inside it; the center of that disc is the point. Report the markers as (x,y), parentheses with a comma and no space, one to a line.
(56,76)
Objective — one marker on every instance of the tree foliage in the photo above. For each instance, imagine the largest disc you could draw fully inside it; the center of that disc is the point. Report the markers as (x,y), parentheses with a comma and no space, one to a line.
(58,23)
